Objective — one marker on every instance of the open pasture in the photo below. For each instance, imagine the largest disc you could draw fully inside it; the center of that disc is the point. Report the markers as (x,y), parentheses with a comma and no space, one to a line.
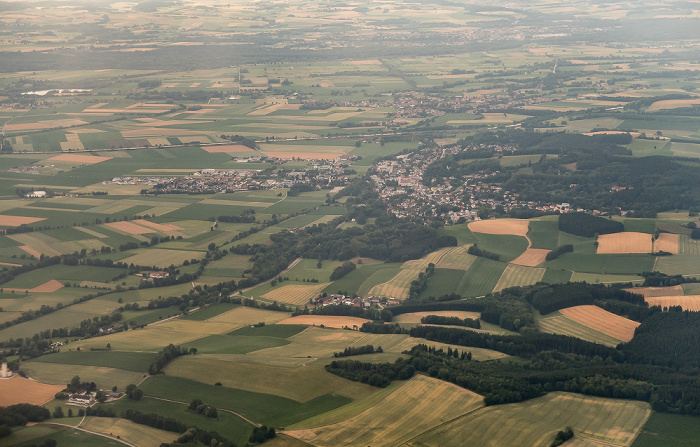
(364,277)
(627,242)
(17,390)
(418,405)
(602,320)
(61,374)
(128,361)
(667,242)
(508,247)
(513,227)
(543,234)
(663,430)
(532,257)
(686,302)
(230,344)
(141,435)
(609,264)
(297,294)
(518,275)
(596,420)
(297,383)
(443,282)
(556,323)
(681,264)
(38,434)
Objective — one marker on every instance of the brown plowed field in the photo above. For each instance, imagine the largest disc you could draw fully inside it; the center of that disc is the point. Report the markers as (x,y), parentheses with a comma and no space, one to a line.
(15,221)
(501,226)
(18,390)
(627,242)
(532,257)
(601,320)
(667,242)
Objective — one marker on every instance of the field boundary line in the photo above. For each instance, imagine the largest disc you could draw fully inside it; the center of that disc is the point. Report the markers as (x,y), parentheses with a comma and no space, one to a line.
(641,428)
(291,266)
(255,424)
(89,431)
(445,423)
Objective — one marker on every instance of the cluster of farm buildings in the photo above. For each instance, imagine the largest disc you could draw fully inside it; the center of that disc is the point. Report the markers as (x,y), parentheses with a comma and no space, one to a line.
(366,302)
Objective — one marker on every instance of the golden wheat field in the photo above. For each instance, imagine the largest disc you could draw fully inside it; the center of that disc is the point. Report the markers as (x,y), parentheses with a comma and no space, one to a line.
(686,302)
(501,226)
(628,242)
(298,294)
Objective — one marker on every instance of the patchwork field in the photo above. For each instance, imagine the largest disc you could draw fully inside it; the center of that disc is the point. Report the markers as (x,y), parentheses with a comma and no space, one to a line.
(17,390)
(627,242)
(398,286)
(595,421)
(602,320)
(418,405)
(557,323)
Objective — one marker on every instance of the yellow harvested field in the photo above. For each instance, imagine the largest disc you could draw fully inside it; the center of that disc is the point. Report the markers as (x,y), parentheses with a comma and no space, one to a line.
(75,158)
(128,227)
(227,148)
(647,292)
(515,227)
(295,293)
(17,390)
(415,317)
(325,320)
(532,257)
(687,302)
(44,124)
(159,141)
(303,155)
(397,287)
(413,408)
(430,258)
(15,221)
(627,242)
(33,251)
(667,242)
(602,320)
(137,434)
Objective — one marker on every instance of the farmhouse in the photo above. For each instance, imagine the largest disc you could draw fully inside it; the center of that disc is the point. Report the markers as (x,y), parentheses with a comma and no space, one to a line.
(82,398)
(36,195)
(159,275)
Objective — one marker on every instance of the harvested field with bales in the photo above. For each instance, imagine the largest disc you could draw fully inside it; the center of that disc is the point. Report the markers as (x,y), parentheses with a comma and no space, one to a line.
(627,242)
(418,405)
(602,320)
(17,390)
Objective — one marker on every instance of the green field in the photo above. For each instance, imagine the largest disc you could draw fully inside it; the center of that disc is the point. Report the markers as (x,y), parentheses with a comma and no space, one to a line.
(507,246)
(443,282)
(263,408)
(556,276)
(612,264)
(230,344)
(544,234)
(518,275)
(684,264)
(37,434)
(662,429)
(270,330)
(209,311)
(481,278)
(536,422)
(57,373)
(129,361)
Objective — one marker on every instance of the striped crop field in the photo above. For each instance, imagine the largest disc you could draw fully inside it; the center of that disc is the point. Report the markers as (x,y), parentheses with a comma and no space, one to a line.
(559,324)
(518,275)
(595,421)
(398,286)
(295,293)
(416,406)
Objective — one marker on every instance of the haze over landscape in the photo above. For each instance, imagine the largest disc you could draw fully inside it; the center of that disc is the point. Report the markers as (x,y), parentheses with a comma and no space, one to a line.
(349,223)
